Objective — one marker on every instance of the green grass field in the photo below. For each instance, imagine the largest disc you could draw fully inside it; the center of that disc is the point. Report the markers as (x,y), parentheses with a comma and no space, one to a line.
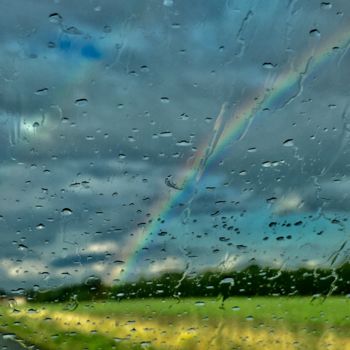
(242,323)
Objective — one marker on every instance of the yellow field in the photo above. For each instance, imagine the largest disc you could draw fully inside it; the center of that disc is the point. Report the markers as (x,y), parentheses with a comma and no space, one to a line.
(154,324)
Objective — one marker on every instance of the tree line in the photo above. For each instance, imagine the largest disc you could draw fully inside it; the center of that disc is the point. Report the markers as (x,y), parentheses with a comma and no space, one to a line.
(252,281)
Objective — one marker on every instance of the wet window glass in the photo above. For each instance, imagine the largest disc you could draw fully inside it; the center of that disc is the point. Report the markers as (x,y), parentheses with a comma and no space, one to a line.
(174,174)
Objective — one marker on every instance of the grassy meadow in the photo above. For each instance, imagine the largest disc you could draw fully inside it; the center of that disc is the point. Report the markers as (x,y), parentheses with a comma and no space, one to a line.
(190,324)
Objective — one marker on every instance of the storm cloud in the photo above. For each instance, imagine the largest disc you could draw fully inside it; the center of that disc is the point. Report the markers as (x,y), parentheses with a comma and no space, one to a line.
(101,103)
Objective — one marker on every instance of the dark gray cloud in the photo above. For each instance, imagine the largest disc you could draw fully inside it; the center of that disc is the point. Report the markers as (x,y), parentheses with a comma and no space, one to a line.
(100,103)
(78,260)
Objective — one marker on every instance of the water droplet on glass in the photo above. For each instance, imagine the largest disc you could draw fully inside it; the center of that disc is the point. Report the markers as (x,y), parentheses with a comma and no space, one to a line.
(183,143)
(42,92)
(165,99)
(314,33)
(249,318)
(184,116)
(236,308)
(55,18)
(9,336)
(165,134)
(144,69)
(271,200)
(326,5)
(269,65)
(81,102)
(22,247)
(92,280)
(40,226)
(288,143)
(227,280)
(66,212)
(199,303)
(72,30)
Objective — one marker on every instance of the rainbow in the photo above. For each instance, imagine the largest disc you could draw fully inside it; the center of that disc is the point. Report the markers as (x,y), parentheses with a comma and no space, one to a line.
(225,133)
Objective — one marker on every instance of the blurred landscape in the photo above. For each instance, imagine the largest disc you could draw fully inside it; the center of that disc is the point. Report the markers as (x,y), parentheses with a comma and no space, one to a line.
(190,323)
(255,308)
(174,175)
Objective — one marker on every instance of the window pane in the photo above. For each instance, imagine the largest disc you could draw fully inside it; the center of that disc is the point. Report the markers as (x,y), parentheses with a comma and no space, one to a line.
(174,174)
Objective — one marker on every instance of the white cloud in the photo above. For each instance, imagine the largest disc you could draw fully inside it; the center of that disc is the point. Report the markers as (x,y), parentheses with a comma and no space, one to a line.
(289,203)
(103,247)
(171,263)
(28,269)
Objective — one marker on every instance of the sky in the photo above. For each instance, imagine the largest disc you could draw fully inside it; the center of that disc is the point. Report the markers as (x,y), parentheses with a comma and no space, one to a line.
(144,136)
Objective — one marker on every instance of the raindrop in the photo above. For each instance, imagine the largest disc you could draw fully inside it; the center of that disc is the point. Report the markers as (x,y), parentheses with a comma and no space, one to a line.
(326,5)
(314,33)
(92,280)
(66,212)
(183,143)
(227,280)
(236,308)
(199,303)
(172,184)
(144,69)
(271,200)
(249,318)
(269,65)
(9,336)
(81,102)
(55,18)
(165,99)
(165,134)
(288,143)
(22,247)
(184,116)
(73,30)
(32,311)
(42,92)
(40,226)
